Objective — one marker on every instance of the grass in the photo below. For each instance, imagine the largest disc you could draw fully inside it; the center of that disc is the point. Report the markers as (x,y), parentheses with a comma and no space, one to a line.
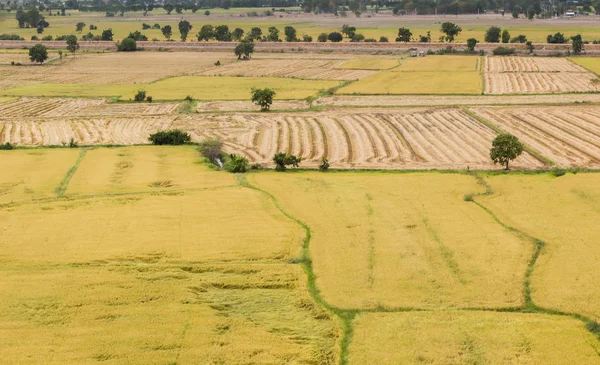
(448,63)
(177,88)
(427,254)
(471,338)
(369,64)
(424,83)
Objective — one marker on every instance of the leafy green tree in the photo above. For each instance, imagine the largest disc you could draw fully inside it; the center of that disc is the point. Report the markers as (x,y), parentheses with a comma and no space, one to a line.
(404,35)
(290,34)
(206,33)
(173,137)
(505,148)
(471,43)
(335,37)
(492,35)
(169,8)
(184,29)
(577,43)
(79,27)
(556,38)
(283,160)
(383,39)
(322,37)
(138,36)
(72,44)
(530,46)
(255,34)
(324,166)
(306,38)
(505,36)
(222,33)
(519,39)
(140,96)
(273,35)
(451,30)
(38,53)
(167,32)
(127,45)
(237,34)
(107,35)
(263,97)
(244,49)
(348,31)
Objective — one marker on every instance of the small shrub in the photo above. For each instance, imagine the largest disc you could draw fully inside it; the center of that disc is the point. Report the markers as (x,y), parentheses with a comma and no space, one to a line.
(282,160)
(7,146)
(322,37)
(149,99)
(140,96)
(73,143)
(324,166)
(468,197)
(558,172)
(593,327)
(236,164)
(383,39)
(189,98)
(503,51)
(256,166)
(218,63)
(173,137)
(127,45)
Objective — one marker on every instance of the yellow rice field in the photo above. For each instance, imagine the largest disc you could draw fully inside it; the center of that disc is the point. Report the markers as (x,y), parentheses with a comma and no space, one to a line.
(471,338)
(448,63)
(370,64)
(589,63)
(402,240)
(417,82)
(561,212)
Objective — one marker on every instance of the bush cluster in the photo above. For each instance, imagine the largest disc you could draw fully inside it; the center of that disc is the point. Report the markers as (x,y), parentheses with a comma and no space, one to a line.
(172,137)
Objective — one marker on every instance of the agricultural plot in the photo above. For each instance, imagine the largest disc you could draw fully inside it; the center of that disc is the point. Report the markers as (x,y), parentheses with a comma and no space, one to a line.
(562,212)
(471,338)
(369,64)
(22,58)
(142,168)
(33,174)
(238,105)
(416,82)
(435,251)
(417,138)
(526,75)
(177,88)
(588,63)
(301,68)
(569,136)
(448,63)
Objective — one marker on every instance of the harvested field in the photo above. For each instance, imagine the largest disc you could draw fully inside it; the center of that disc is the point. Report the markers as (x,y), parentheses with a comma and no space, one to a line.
(562,212)
(569,136)
(435,251)
(22,58)
(527,75)
(530,64)
(427,83)
(370,64)
(57,131)
(442,338)
(46,107)
(302,69)
(238,105)
(33,174)
(449,63)
(409,138)
(538,82)
(430,100)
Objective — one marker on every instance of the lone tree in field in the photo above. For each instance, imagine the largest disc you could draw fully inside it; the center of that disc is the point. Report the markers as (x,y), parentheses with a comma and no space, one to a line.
(577,44)
(505,36)
(79,26)
(283,160)
(184,29)
(107,35)
(72,44)
(471,43)
(167,32)
(211,148)
(263,97)
(451,30)
(38,53)
(244,49)
(505,148)
(127,45)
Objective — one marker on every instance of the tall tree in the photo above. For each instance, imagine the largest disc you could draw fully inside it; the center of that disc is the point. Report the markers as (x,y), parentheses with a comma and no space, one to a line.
(505,148)
(184,29)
